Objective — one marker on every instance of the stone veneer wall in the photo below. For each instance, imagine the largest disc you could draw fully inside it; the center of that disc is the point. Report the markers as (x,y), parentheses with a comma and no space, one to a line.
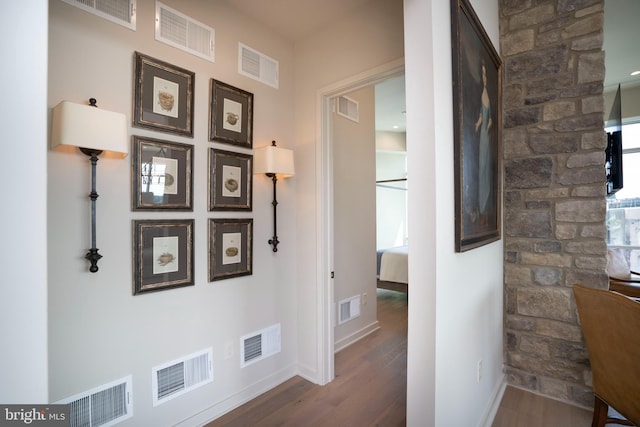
(554,188)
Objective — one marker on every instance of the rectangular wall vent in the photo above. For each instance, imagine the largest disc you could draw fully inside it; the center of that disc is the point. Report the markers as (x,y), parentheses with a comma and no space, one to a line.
(259,345)
(122,12)
(348,108)
(105,405)
(180,376)
(182,32)
(257,66)
(348,309)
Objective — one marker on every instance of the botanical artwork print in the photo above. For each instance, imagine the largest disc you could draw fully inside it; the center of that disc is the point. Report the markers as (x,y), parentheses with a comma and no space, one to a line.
(165,97)
(165,254)
(231,181)
(161,176)
(479,134)
(232,115)
(231,248)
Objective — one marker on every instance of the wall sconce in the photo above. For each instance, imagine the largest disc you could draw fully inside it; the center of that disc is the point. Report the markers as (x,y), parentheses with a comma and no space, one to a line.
(93,131)
(274,162)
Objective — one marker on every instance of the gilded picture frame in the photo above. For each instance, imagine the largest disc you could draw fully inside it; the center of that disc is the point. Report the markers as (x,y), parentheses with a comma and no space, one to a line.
(230,181)
(161,175)
(230,248)
(477,117)
(230,115)
(162,254)
(163,96)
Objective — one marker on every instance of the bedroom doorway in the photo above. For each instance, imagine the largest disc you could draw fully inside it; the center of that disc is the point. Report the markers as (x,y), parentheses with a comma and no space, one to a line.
(340,242)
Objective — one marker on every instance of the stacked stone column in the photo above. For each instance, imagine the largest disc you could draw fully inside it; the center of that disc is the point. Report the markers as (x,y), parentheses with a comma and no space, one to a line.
(554,188)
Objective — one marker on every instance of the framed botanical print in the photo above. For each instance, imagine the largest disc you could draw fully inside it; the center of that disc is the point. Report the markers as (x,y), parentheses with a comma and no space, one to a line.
(477,94)
(230,181)
(162,254)
(230,248)
(163,98)
(161,175)
(230,115)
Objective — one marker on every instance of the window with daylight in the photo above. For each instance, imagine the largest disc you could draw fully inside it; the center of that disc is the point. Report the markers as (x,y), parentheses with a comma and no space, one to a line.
(623,207)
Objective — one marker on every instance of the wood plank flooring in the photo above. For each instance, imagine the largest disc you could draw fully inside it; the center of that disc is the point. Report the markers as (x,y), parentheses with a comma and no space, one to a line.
(370,389)
(520,408)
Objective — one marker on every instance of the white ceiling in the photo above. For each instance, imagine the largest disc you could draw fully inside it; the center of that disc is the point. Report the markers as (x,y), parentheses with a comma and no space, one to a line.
(390,105)
(297,19)
(621,41)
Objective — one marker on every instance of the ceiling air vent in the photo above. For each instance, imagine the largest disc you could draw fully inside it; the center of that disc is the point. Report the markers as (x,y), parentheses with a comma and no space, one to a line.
(259,345)
(257,66)
(348,309)
(348,108)
(180,376)
(122,12)
(182,32)
(105,405)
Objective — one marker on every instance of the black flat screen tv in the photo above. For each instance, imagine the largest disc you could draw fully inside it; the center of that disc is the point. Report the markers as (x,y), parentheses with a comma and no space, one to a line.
(613,154)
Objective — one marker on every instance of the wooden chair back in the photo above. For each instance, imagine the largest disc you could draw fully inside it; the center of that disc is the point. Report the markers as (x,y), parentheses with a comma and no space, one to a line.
(611,327)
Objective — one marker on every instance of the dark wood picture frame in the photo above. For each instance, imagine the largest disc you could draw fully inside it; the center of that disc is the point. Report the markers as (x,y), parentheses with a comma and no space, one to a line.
(163,96)
(477,117)
(230,181)
(230,115)
(162,254)
(161,175)
(230,248)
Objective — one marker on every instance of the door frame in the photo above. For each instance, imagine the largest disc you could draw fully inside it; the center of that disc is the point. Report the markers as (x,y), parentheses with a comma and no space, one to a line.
(326,310)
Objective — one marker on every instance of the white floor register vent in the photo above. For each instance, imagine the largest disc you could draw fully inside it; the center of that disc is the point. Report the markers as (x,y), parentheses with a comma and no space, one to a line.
(259,345)
(104,405)
(348,309)
(180,376)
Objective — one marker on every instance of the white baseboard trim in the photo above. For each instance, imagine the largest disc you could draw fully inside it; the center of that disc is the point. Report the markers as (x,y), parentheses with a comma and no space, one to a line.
(240,398)
(356,336)
(492,409)
(308,373)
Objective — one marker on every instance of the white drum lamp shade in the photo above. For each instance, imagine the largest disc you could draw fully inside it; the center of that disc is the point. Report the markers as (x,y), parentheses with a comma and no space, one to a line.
(86,126)
(274,160)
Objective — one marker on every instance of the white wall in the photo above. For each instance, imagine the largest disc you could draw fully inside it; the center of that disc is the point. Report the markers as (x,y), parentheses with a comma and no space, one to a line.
(99,331)
(23,258)
(455,314)
(375,33)
(354,175)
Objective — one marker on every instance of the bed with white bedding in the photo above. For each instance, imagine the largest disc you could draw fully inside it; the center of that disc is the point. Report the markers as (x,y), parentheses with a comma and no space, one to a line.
(393,268)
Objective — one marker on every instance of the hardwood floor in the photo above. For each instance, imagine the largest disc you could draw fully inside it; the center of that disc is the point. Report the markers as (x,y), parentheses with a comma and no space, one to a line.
(370,389)
(520,408)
